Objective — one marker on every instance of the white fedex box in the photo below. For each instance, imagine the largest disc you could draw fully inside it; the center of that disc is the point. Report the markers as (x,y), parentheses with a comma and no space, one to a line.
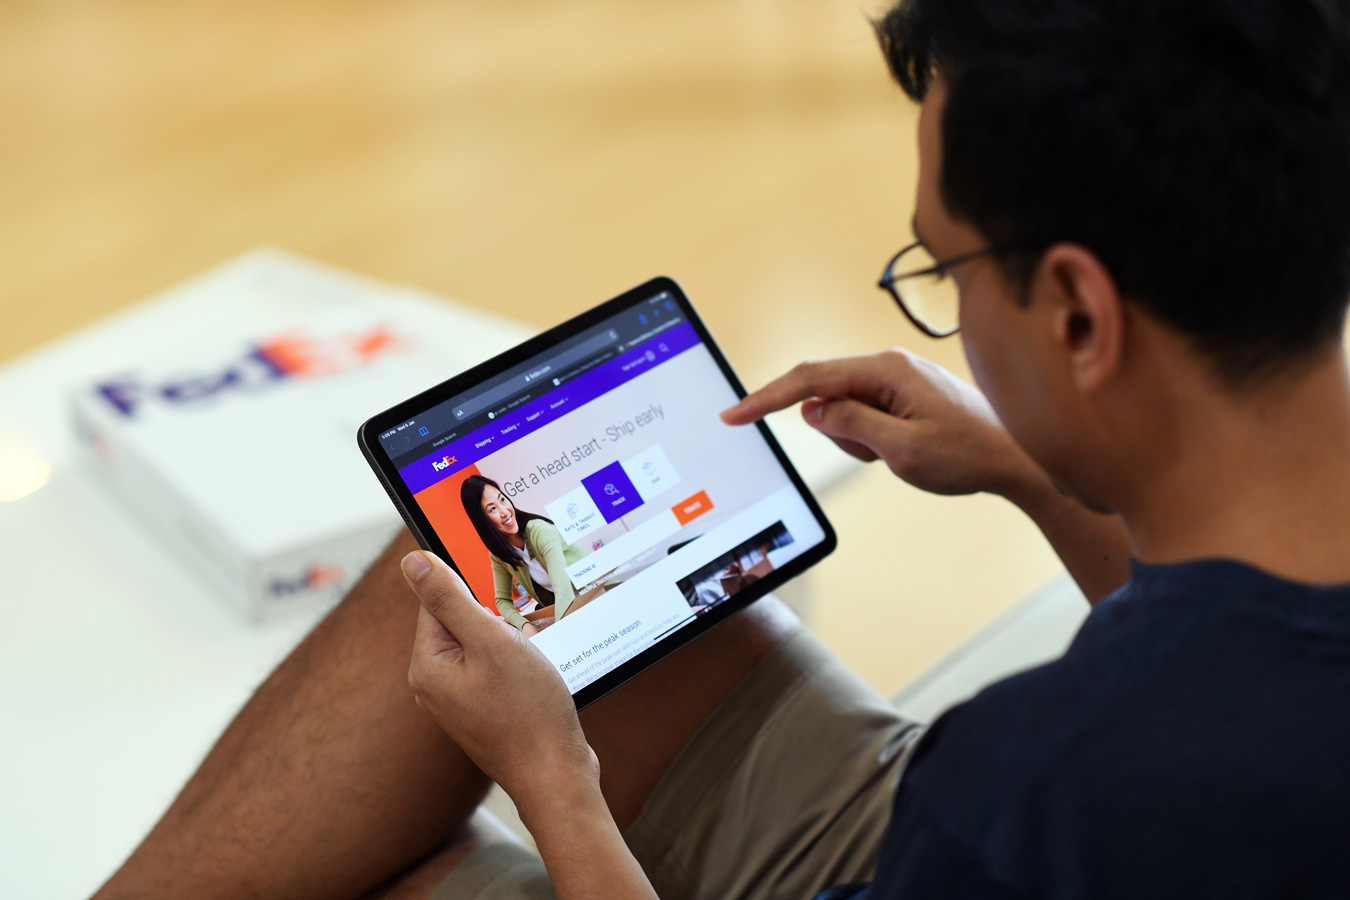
(236,442)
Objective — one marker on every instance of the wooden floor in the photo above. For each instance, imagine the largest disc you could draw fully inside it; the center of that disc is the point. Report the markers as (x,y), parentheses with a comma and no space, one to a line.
(532,158)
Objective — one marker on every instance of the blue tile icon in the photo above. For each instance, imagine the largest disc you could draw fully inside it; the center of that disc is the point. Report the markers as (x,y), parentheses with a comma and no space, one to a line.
(612,492)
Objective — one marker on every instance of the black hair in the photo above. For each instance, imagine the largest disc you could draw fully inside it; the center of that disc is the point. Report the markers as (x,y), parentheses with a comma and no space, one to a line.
(471,495)
(1201,148)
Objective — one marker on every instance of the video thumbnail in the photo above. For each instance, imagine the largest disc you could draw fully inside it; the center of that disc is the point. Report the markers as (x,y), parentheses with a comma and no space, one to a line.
(733,571)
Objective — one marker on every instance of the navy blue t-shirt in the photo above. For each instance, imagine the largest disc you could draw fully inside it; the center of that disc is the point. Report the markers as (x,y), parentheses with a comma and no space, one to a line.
(1194,741)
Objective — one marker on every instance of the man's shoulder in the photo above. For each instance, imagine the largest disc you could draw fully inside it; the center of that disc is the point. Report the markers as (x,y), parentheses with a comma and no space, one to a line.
(1200,658)
(1040,712)
(1175,712)
(990,752)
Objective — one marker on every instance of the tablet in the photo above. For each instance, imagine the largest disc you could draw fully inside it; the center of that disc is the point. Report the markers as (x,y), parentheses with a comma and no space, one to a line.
(584,487)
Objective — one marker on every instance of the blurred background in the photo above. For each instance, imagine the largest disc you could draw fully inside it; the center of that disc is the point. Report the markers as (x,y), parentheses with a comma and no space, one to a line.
(526,158)
(529,158)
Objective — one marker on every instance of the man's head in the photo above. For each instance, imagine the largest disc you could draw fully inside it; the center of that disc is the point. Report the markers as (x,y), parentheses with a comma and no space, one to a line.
(1201,149)
(1189,159)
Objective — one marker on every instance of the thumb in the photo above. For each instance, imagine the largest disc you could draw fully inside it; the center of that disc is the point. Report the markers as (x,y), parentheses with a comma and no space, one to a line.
(445,595)
(851,422)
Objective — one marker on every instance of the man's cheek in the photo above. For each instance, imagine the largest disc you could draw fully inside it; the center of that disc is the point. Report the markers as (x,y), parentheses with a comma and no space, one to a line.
(1002,379)
(980,370)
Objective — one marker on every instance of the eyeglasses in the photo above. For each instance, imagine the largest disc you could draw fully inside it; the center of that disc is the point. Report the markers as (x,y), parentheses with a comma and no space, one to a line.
(926,293)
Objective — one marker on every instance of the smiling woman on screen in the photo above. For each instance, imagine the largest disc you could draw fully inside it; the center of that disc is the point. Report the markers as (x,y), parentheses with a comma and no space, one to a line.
(525,548)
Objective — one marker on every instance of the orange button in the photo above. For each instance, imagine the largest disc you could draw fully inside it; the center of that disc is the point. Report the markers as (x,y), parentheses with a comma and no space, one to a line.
(688,510)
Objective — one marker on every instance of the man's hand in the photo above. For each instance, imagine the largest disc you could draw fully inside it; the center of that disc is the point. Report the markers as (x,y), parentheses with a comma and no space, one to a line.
(490,689)
(931,428)
(507,707)
(940,434)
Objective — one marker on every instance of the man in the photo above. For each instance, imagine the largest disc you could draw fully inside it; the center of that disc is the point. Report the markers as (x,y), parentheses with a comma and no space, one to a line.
(1144,210)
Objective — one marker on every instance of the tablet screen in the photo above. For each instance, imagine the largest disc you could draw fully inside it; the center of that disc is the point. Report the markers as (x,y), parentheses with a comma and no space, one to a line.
(591,491)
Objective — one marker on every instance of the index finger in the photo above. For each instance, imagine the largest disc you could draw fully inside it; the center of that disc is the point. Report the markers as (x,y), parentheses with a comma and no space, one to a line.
(853,376)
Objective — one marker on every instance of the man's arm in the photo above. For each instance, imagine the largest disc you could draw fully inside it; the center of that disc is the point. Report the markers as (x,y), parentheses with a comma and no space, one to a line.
(1094,547)
(582,848)
(467,668)
(939,433)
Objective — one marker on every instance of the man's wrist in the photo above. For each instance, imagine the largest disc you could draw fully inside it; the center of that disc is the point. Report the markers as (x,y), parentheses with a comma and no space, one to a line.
(579,841)
(1024,484)
(558,795)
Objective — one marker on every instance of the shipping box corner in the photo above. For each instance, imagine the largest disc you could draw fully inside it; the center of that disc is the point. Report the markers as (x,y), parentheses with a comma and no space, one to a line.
(235,442)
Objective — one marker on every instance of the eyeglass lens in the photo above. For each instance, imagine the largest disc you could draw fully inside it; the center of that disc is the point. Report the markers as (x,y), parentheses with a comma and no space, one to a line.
(932,298)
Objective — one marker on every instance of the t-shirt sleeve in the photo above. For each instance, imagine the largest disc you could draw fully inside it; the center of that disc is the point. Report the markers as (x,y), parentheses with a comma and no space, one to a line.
(921,861)
(844,892)
(921,858)
(927,866)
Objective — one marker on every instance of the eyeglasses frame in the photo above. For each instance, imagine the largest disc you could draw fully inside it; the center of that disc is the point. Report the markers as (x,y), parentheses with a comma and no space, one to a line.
(940,267)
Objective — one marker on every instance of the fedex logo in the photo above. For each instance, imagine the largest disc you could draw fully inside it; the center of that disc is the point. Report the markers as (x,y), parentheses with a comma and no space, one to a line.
(445,462)
(262,367)
(318,575)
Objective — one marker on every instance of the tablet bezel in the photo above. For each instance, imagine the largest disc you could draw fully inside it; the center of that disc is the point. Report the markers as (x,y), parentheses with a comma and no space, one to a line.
(426,535)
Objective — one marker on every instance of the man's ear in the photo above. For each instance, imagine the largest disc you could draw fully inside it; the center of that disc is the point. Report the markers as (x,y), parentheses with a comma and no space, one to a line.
(1087,314)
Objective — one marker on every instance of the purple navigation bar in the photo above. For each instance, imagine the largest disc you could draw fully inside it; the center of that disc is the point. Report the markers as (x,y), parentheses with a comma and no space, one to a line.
(557,403)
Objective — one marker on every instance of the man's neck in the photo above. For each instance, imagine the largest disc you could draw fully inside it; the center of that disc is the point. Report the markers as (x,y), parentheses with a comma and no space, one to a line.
(1263,480)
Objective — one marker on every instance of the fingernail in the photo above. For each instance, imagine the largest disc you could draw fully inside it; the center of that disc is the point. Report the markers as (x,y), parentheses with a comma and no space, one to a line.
(415,566)
(811,411)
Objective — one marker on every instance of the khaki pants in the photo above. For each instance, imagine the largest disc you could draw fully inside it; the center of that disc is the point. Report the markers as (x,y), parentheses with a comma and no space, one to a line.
(786,790)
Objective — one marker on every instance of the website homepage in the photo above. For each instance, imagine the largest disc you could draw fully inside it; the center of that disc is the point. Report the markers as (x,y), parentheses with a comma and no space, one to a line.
(615,507)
